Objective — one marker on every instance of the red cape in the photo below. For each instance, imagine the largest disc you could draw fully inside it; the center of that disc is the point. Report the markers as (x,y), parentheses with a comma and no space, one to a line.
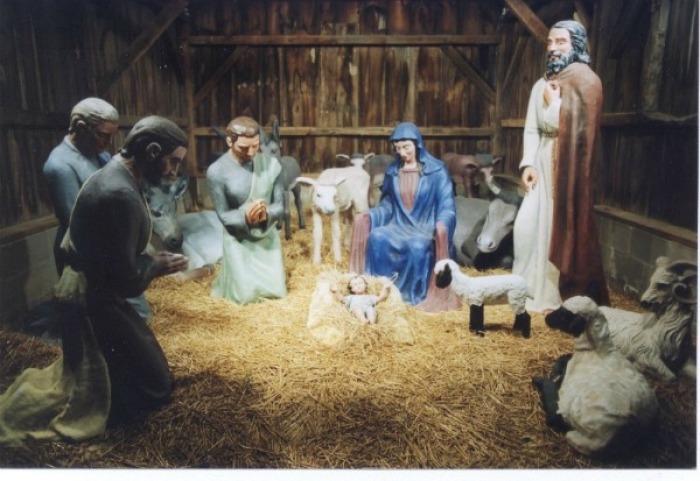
(574,247)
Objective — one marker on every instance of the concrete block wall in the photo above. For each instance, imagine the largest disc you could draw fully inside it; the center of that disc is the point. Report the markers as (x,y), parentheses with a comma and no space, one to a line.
(27,275)
(630,252)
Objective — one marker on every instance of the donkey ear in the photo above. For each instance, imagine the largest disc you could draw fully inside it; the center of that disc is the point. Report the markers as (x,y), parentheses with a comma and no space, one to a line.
(276,130)
(179,187)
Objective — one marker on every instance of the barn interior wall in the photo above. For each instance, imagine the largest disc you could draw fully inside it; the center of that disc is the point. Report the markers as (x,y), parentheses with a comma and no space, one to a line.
(56,52)
(28,275)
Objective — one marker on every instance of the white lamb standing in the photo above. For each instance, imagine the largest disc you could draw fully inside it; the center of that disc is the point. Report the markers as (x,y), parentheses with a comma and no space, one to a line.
(486,290)
(335,191)
(658,342)
(604,403)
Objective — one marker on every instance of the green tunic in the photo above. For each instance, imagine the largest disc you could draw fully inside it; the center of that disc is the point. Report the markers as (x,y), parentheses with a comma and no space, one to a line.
(252,265)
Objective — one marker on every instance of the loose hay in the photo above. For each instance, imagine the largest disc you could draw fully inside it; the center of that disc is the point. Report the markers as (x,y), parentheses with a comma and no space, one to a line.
(255,388)
(331,323)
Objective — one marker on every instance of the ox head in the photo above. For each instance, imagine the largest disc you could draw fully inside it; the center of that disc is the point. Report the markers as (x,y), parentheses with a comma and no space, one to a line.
(671,283)
(580,317)
(498,224)
(162,204)
(325,196)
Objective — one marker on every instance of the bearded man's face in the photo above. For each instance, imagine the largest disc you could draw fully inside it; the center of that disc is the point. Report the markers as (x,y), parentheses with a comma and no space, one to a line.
(560,51)
(558,61)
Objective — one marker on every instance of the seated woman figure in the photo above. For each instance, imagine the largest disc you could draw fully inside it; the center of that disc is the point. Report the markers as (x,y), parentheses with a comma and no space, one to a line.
(412,226)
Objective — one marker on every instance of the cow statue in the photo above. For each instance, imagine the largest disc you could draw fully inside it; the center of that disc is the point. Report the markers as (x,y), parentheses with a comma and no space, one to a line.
(483,236)
(466,172)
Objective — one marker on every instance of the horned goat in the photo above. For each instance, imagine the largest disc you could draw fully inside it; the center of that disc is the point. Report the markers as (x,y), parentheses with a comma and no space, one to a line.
(489,290)
(603,402)
(658,342)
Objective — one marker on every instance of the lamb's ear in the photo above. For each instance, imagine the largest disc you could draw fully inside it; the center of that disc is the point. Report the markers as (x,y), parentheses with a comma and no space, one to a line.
(577,326)
(443,278)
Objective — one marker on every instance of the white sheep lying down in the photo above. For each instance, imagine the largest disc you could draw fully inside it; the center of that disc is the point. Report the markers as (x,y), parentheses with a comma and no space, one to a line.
(604,402)
(486,290)
(658,342)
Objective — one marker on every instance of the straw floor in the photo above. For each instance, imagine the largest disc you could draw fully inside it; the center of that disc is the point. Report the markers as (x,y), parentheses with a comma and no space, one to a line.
(254,389)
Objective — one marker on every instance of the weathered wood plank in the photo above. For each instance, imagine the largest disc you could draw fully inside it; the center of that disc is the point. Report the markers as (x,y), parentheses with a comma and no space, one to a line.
(338,40)
(627,119)
(371,131)
(529,19)
(466,67)
(660,228)
(143,42)
(216,77)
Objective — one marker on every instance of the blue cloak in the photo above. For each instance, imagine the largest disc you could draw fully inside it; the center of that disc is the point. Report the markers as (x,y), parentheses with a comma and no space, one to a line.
(400,241)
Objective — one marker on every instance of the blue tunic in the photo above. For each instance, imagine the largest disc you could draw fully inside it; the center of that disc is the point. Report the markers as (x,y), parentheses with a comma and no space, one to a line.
(402,241)
(65,171)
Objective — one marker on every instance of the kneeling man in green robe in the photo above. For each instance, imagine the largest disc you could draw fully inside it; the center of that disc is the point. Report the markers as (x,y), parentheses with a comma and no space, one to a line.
(247,193)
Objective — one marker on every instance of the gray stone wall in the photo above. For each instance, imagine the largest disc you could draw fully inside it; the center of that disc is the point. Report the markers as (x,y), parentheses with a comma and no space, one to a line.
(630,252)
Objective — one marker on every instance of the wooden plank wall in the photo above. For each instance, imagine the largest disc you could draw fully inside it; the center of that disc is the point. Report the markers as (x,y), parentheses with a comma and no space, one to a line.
(55,52)
(649,157)
(344,86)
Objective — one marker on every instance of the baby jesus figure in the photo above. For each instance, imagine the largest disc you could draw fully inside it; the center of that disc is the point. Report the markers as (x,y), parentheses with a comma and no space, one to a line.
(359,302)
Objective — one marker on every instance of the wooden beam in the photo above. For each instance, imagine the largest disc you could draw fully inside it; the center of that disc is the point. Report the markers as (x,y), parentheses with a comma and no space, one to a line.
(628,119)
(656,227)
(342,40)
(623,119)
(468,70)
(20,231)
(60,120)
(142,43)
(529,19)
(213,81)
(364,131)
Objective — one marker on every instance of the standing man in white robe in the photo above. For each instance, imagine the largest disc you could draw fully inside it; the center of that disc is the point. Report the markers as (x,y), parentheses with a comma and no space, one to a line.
(555,238)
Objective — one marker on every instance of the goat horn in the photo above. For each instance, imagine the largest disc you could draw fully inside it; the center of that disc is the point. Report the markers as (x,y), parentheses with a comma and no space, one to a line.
(683,293)
(679,267)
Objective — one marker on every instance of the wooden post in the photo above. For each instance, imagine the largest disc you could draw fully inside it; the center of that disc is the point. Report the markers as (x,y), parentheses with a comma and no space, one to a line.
(401,65)
(192,166)
(652,69)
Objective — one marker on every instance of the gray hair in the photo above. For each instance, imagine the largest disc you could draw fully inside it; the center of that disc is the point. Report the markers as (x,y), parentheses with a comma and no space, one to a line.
(579,39)
(93,111)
